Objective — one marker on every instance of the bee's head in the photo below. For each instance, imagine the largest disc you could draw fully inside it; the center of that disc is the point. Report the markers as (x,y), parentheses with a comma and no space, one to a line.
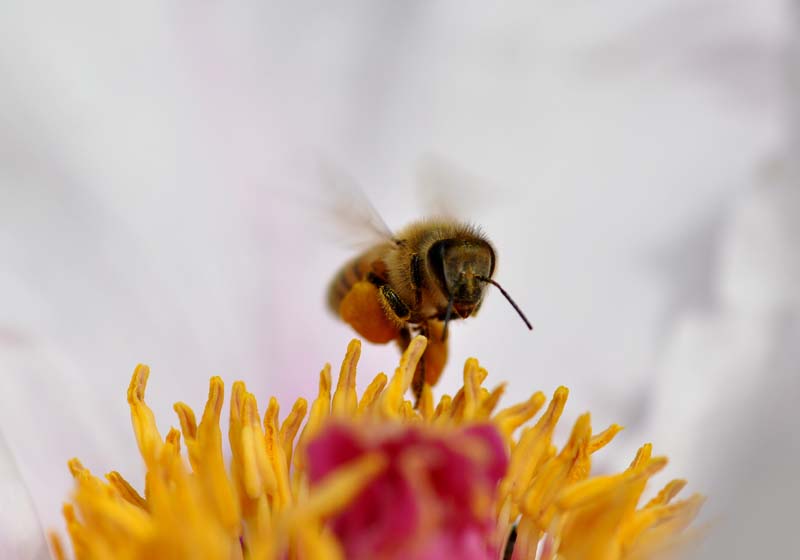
(462,268)
(458,266)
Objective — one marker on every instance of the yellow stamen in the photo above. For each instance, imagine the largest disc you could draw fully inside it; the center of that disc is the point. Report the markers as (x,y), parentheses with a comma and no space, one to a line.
(320,410)
(489,402)
(604,438)
(125,490)
(256,509)
(345,399)
(533,447)
(282,497)
(372,393)
(391,400)
(511,418)
(142,418)
(290,427)
(442,413)
(56,547)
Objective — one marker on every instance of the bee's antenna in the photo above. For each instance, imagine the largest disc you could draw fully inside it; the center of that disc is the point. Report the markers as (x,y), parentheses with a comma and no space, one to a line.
(508,297)
(447,316)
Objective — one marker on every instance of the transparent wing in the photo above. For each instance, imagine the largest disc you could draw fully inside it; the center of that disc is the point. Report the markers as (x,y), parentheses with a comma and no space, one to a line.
(330,202)
(446,190)
(347,215)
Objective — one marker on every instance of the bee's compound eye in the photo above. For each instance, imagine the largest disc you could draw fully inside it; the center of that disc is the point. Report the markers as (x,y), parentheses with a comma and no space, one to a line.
(416,271)
(436,260)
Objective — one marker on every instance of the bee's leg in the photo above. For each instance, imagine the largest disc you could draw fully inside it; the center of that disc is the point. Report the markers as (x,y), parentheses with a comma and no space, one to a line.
(435,356)
(404,338)
(394,308)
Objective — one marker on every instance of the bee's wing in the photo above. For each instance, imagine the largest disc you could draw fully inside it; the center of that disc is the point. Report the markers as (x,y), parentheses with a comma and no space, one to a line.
(347,215)
(448,191)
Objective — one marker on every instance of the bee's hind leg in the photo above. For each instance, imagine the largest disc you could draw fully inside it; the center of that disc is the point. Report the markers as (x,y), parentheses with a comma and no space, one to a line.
(435,356)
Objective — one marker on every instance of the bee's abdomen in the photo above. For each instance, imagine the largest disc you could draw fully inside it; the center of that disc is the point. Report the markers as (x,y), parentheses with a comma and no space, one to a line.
(353,271)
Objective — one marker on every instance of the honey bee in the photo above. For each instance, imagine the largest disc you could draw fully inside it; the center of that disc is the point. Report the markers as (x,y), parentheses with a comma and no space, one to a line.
(416,281)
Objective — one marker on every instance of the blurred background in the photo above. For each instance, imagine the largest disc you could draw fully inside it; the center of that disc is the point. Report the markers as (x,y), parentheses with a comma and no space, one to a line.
(634,162)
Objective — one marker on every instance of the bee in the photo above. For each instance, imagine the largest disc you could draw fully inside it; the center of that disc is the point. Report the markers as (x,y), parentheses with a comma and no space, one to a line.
(416,281)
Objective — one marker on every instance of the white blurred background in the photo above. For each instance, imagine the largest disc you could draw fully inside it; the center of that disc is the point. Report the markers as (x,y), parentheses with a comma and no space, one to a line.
(639,173)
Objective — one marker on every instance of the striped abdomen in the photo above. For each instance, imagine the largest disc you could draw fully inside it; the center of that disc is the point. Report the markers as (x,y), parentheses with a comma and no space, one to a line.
(353,271)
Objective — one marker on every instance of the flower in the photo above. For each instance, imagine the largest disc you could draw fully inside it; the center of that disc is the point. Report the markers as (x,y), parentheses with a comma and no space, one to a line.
(373,477)
(435,493)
